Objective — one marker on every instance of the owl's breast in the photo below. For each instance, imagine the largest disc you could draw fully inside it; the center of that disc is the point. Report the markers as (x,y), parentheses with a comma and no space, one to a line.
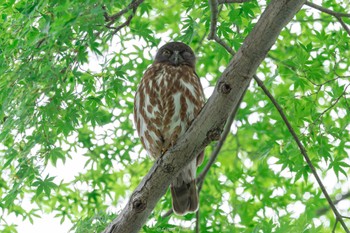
(168,101)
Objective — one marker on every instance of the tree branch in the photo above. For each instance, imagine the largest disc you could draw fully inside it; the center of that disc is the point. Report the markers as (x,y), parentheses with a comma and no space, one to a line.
(332,105)
(326,10)
(213,26)
(111,19)
(232,1)
(197,222)
(303,151)
(215,153)
(337,15)
(343,24)
(211,120)
(213,18)
(325,209)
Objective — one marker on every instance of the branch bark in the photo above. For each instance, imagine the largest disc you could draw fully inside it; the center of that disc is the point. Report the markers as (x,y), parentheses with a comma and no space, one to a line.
(210,122)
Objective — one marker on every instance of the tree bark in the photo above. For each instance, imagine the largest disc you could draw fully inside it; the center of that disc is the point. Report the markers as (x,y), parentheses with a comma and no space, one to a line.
(210,122)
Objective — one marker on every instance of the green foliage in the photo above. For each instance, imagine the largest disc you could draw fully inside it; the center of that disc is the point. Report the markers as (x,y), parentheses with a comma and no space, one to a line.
(66,96)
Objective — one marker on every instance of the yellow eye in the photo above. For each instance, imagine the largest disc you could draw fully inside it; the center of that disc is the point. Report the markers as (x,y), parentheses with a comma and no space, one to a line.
(166,52)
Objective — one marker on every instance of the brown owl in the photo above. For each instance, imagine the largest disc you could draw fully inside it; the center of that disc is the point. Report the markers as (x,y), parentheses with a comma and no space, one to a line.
(167,100)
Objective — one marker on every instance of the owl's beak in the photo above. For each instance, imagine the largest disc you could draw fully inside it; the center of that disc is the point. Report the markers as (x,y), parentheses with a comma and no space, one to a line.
(176,58)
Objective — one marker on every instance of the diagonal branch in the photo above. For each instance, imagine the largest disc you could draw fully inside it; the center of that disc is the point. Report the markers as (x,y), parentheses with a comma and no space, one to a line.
(326,10)
(211,120)
(324,210)
(337,15)
(215,153)
(111,19)
(134,4)
(303,151)
(332,105)
(232,1)
(343,24)
(126,23)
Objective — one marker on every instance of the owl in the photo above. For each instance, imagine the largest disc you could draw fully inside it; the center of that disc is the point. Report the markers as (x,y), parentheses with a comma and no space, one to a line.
(168,99)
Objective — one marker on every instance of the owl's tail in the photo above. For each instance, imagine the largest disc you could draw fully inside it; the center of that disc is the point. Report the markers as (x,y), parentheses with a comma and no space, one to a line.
(184,191)
(185,198)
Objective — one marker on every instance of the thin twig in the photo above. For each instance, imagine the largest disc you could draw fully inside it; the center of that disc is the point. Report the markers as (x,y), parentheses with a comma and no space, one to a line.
(333,104)
(168,213)
(199,46)
(127,22)
(232,1)
(325,209)
(326,10)
(337,15)
(113,18)
(197,222)
(343,24)
(303,152)
(132,5)
(224,44)
(335,226)
(215,153)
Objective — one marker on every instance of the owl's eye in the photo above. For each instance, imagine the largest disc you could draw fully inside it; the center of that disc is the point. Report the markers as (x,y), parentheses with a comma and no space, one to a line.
(166,52)
(186,54)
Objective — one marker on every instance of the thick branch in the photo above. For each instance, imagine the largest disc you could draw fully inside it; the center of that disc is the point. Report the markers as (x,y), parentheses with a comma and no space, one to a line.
(303,152)
(228,91)
(213,18)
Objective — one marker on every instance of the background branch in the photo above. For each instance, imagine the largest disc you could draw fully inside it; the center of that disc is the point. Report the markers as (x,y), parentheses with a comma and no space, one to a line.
(324,210)
(197,222)
(232,1)
(337,15)
(111,19)
(303,151)
(326,10)
(332,105)
(343,24)
(215,153)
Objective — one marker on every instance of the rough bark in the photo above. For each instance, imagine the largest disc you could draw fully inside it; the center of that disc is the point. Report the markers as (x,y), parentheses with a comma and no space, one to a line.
(209,124)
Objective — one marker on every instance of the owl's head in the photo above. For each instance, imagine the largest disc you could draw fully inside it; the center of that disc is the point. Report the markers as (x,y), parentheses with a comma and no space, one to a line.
(176,53)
